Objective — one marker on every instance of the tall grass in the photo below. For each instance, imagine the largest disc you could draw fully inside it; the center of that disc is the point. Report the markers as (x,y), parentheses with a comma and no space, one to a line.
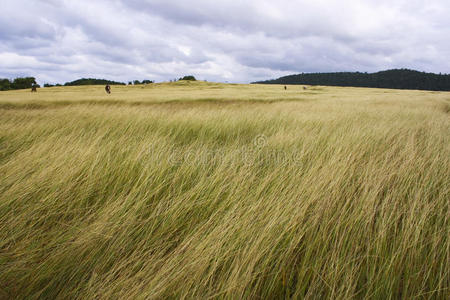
(224,191)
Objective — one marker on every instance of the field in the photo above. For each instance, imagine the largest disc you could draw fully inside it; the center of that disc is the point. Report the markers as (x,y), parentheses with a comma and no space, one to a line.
(204,190)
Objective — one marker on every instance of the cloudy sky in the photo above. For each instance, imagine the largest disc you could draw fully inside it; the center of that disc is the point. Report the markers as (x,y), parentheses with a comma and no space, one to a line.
(220,40)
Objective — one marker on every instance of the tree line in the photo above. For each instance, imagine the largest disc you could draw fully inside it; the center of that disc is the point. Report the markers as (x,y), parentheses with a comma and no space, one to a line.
(18,83)
(392,79)
(29,82)
(92,81)
(135,82)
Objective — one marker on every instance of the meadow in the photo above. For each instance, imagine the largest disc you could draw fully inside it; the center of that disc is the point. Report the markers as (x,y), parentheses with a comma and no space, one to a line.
(206,190)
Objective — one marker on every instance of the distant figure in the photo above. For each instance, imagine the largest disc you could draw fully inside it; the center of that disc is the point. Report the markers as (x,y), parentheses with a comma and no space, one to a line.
(33,88)
(108,89)
(304,87)
(285,87)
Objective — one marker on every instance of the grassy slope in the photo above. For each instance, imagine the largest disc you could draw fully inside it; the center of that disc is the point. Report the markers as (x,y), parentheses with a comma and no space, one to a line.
(210,190)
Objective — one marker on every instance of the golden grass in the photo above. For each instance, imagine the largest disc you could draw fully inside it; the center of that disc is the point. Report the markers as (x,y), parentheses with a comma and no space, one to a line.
(204,190)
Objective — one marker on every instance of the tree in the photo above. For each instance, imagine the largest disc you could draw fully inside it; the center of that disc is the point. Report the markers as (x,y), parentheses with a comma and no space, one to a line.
(23,83)
(146,81)
(5,84)
(18,83)
(136,82)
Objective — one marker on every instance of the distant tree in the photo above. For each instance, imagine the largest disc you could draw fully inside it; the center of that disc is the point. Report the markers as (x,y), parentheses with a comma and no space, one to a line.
(48,85)
(146,81)
(189,77)
(136,82)
(5,84)
(23,83)
(130,83)
(18,83)
(92,81)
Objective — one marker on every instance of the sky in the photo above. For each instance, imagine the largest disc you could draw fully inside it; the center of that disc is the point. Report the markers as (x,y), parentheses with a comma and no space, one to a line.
(225,41)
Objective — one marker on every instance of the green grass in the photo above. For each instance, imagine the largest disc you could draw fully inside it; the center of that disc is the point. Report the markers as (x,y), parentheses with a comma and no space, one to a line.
(204,190)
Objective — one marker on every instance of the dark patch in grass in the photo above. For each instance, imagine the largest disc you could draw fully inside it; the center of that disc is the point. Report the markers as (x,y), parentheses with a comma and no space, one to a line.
(445,107)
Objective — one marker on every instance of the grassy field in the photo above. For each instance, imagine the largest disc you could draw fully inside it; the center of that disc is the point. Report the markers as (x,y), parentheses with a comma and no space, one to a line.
(203,190)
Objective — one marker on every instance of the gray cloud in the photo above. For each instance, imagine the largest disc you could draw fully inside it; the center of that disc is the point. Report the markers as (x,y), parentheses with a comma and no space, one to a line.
(235,41)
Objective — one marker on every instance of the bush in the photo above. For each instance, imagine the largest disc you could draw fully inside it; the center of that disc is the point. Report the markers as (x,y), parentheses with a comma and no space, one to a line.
(189,77)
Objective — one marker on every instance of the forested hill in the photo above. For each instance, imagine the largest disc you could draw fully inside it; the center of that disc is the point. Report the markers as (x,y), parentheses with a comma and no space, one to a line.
(92,81)
(392,79)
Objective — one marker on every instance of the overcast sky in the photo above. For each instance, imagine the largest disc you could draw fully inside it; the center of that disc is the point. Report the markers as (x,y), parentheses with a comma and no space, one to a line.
(221,40)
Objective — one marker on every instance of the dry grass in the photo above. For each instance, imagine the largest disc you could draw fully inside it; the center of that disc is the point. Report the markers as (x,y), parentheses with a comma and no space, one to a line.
(203,190)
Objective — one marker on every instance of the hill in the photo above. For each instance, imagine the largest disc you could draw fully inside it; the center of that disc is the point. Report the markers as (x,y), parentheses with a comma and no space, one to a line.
(391,79)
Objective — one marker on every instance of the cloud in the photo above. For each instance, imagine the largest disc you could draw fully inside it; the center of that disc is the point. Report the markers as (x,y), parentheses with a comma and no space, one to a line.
(235,41)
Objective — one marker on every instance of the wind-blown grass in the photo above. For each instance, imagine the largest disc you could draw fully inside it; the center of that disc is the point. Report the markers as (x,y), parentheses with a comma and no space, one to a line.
(203,190)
